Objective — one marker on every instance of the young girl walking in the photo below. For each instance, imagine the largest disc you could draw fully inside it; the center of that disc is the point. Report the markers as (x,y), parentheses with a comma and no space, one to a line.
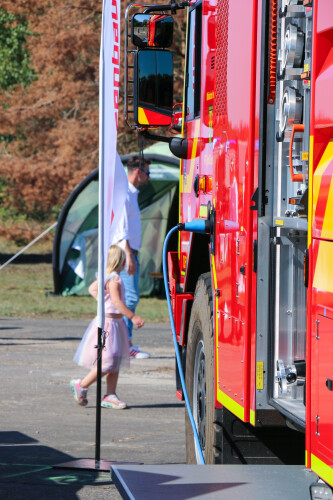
(116,350)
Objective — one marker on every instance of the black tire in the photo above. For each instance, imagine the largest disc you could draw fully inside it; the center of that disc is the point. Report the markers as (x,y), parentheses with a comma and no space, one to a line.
(199,376)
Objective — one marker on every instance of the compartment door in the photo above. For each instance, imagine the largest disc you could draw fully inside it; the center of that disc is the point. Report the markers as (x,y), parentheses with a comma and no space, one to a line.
(321,429)
(322,390)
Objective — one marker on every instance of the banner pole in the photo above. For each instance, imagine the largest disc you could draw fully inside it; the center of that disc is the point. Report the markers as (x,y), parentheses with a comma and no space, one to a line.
(98,398)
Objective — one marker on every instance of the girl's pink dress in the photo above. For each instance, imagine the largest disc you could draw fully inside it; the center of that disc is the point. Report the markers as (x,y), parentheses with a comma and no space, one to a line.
(116,350)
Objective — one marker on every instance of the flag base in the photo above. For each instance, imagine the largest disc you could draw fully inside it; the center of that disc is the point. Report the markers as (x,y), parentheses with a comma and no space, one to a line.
(91,464)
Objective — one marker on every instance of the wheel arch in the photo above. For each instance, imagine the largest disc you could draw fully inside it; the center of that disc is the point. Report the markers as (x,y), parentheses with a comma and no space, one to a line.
(198,261)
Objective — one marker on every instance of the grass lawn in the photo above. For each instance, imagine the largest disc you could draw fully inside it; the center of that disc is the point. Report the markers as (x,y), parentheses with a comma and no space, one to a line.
(24,287)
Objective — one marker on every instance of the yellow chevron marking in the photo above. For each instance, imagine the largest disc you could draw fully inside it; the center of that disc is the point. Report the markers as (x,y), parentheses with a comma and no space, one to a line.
(189,177)
(231,405)
(310,212)
(323,470)
(203,212)
(322,278)
(322,165)
(142,119)
(327,229)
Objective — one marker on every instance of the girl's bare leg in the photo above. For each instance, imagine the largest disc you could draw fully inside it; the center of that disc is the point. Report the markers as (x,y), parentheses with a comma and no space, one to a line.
(91,378)
(111,382)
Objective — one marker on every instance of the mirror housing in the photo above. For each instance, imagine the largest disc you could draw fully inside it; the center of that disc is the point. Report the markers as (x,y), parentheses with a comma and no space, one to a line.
(153,88)
(179,147)
(152,30)
(183,148)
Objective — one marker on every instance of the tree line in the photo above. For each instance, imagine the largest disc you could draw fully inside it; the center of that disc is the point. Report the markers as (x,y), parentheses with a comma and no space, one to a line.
(49,60)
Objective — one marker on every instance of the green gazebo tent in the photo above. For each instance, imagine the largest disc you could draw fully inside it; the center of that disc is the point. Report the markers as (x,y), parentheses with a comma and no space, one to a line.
(75,243)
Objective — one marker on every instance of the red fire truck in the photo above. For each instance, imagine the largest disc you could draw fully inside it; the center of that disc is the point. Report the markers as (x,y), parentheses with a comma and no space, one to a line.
(253,297)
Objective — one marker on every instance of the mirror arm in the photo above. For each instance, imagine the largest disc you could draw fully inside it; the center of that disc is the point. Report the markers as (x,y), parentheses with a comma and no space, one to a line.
(183,5)
(173,6)
(178,146)
(155,137)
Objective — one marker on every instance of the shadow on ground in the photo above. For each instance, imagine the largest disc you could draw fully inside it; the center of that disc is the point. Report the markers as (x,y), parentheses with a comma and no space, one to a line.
(27,472)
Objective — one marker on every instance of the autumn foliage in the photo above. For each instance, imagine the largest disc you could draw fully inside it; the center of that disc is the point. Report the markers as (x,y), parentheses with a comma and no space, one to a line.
(49,129)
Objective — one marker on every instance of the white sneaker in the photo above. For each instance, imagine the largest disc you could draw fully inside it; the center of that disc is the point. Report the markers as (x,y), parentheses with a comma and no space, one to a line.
(80,394)
(136,353)
(112,401)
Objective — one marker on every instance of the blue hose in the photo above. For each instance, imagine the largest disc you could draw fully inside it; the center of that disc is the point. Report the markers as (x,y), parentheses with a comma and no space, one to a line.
(188,406)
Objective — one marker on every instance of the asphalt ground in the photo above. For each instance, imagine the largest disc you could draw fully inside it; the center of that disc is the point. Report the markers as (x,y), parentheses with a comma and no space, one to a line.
(41,426)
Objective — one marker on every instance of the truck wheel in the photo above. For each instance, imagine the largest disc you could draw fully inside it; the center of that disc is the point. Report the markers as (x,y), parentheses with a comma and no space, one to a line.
(199,376)
(225,439)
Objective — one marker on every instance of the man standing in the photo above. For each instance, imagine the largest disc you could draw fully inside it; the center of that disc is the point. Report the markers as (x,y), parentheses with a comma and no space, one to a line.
(128,236)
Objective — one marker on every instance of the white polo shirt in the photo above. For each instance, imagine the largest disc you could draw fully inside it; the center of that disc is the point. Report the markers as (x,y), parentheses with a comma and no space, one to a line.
(129,227)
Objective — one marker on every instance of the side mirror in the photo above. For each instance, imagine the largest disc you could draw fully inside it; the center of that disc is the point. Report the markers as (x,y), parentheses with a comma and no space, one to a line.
(152,30)
(177,124)
(177,118)
(153,88)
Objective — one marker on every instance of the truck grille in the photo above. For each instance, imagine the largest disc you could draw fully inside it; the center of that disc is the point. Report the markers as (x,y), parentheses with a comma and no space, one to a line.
(221,59)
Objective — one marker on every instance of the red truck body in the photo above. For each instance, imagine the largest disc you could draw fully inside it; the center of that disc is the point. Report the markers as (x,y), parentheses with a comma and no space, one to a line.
(224,145)
(253,300)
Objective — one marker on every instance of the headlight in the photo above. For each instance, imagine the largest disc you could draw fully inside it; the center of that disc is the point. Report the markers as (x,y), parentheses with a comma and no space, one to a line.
(320,491)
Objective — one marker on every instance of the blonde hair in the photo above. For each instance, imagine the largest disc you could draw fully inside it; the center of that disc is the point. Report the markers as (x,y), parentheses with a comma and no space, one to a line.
(116,257)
